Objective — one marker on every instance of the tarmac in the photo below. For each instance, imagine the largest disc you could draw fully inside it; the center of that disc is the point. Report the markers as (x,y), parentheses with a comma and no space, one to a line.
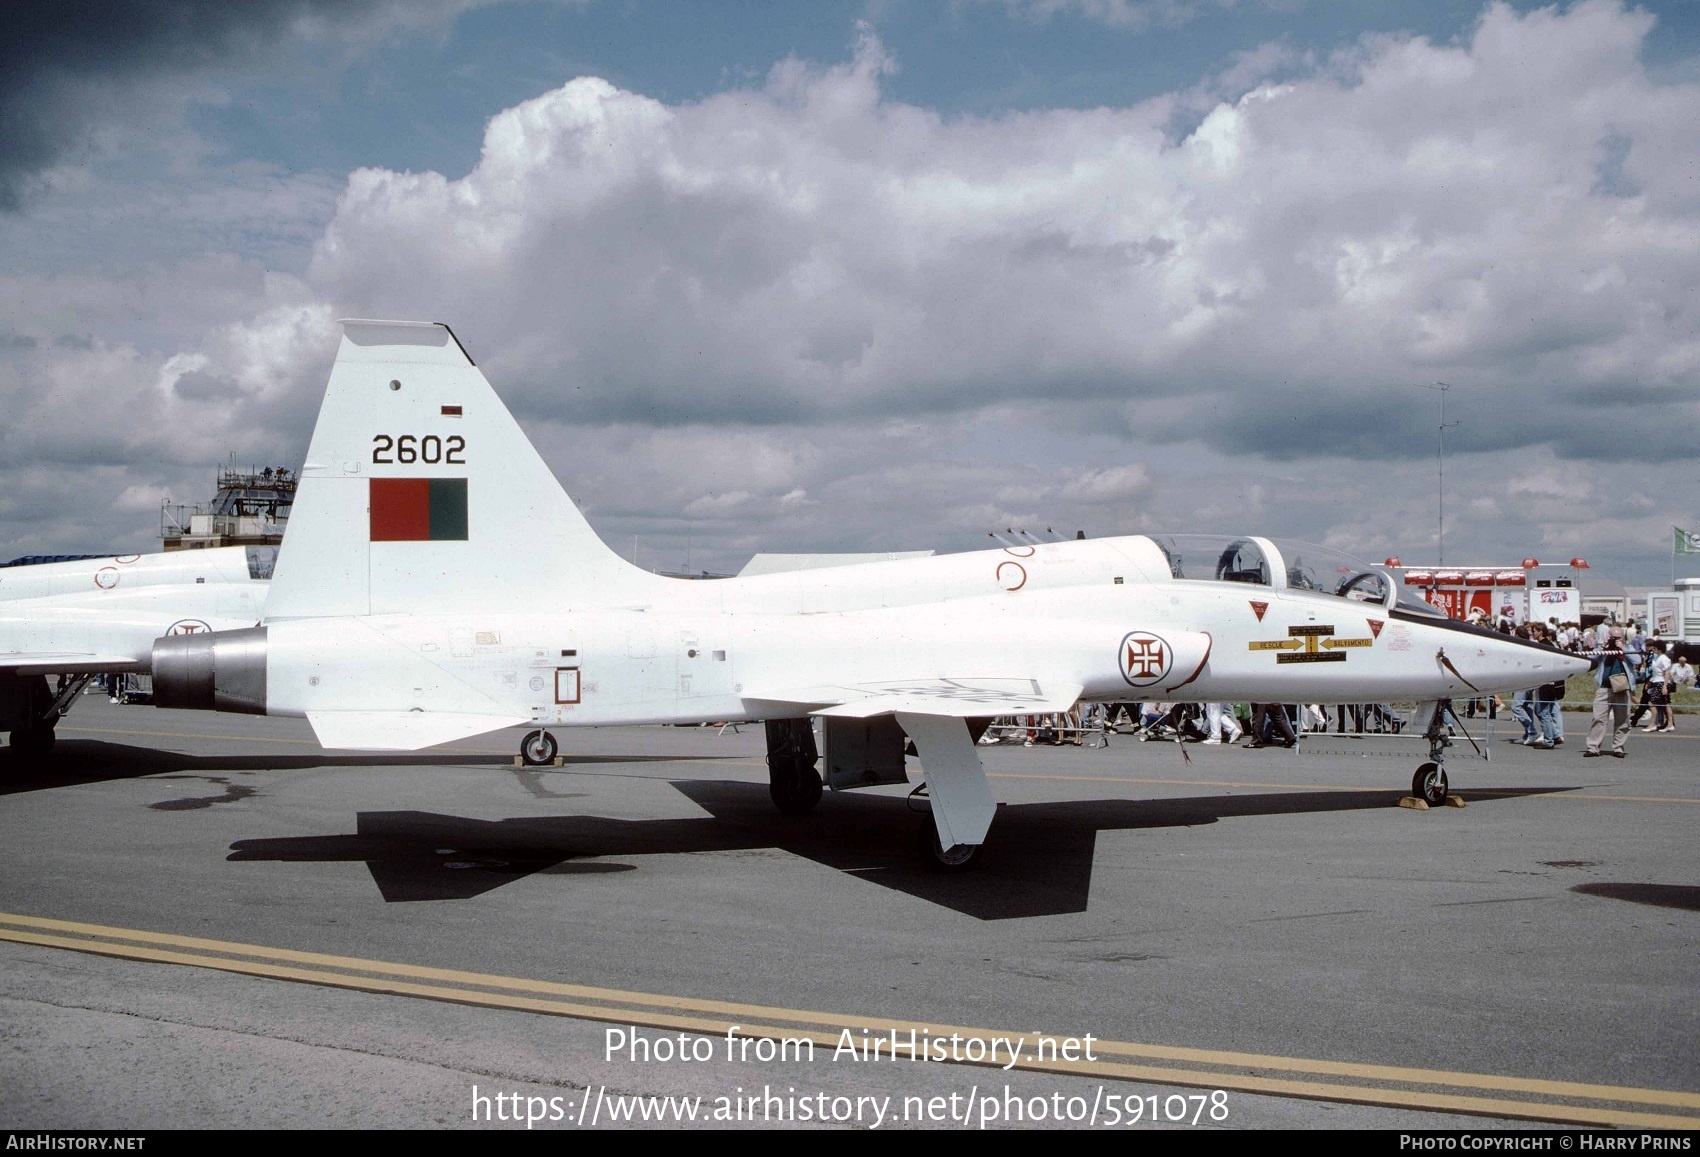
(209,921)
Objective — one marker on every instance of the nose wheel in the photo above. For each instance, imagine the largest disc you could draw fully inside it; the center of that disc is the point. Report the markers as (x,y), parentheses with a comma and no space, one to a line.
(538,748)
(1429,784)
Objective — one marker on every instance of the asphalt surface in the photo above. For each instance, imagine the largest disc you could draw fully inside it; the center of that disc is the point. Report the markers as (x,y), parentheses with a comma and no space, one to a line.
(1256,921)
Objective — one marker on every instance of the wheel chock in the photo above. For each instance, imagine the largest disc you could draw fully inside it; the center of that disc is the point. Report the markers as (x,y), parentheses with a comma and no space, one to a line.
(1454,801)
(1413,803)
(561,761)
(519,761)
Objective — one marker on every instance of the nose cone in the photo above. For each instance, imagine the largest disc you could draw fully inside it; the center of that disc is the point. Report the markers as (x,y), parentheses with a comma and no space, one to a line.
(1506,663)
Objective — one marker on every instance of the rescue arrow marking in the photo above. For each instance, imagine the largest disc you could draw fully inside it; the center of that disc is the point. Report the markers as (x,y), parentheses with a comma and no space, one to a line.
(1310,643)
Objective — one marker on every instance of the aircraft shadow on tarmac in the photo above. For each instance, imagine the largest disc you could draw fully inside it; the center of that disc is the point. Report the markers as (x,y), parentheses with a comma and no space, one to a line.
(1039,862)
(79,761)
(1682,896)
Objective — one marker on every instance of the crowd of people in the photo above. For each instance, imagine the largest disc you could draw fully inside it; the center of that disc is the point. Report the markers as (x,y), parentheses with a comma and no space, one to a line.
(1624,660)
(1259,724)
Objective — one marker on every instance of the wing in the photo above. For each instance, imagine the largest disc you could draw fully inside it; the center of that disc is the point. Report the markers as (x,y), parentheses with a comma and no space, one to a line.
(960,698)
(64,662)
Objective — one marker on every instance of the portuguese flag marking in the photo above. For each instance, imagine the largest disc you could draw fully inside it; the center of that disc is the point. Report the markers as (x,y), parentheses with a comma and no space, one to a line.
(418,509)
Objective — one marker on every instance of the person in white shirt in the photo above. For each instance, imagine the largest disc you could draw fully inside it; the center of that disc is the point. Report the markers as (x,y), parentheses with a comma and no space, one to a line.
(1657,697)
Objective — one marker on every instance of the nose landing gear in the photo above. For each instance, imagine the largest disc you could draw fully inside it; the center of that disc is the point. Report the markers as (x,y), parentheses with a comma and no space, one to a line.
(1429,784)
(538,749)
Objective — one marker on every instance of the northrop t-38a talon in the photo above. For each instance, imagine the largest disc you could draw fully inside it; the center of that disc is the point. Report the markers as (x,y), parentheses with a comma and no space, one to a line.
(63,623)
(436,582)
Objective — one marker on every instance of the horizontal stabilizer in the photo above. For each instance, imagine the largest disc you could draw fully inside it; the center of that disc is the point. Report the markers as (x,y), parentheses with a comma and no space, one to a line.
(65,662)
(787,563)
(401,730)
(956,698)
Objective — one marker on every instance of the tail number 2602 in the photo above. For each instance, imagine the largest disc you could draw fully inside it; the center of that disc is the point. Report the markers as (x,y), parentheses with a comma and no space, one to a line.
(387,450)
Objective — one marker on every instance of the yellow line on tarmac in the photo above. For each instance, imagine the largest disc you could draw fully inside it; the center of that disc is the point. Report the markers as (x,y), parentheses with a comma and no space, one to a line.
(1488,791)
(1481,791)
(1623,798)
(1180,782)
(63,727)
(1214,1068)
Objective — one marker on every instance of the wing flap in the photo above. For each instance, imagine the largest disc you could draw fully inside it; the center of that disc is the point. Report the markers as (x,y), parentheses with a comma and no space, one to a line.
(401,730)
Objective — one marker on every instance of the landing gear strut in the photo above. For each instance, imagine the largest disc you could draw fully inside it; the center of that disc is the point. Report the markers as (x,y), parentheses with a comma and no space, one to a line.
(792,780)
(1429,783)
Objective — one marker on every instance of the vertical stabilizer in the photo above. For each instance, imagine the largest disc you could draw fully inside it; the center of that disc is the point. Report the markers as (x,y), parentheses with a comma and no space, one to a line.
(421,493)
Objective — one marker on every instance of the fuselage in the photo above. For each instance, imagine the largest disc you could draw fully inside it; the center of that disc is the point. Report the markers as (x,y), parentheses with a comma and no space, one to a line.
(1108,615)
(116,607)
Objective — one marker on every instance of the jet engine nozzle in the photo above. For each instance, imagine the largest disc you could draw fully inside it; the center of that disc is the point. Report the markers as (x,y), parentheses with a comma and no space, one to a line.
(212,671)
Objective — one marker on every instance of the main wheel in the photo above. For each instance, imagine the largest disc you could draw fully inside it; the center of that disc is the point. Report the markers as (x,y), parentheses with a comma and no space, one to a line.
(942,859)
(794,785)
(538,748)
(1429,784)
(33,742)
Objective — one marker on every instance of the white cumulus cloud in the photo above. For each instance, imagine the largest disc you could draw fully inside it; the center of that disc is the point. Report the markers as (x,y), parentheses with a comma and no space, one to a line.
(705,309)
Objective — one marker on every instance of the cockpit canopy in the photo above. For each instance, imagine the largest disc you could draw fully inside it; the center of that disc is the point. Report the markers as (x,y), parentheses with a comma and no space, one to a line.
(1284,564)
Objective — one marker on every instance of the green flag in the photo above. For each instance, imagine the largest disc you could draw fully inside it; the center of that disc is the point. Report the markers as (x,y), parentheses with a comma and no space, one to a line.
(1687,542)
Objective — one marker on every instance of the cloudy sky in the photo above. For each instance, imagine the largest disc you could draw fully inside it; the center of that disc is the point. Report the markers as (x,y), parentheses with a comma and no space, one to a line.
(880,274)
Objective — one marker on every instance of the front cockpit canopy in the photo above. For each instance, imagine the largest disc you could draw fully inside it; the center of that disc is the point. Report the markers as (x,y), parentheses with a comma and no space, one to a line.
(1283,564)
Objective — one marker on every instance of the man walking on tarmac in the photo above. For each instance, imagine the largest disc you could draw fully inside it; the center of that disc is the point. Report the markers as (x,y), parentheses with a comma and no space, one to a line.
(1614,679)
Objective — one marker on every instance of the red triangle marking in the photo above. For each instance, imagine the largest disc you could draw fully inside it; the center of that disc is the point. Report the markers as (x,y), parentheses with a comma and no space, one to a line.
(1258,608)
(1375,626)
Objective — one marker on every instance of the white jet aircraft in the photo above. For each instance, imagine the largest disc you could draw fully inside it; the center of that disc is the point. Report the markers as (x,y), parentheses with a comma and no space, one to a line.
(63,623)
(436,582)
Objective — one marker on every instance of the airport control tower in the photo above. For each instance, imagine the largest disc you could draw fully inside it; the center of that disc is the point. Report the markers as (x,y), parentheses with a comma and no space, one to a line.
(250,509)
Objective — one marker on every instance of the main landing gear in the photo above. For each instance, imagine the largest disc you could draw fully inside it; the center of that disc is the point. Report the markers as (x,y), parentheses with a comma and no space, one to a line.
(33,708)
(792,780)
(958,796)
(957,857)
(33,742)
(959,803)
